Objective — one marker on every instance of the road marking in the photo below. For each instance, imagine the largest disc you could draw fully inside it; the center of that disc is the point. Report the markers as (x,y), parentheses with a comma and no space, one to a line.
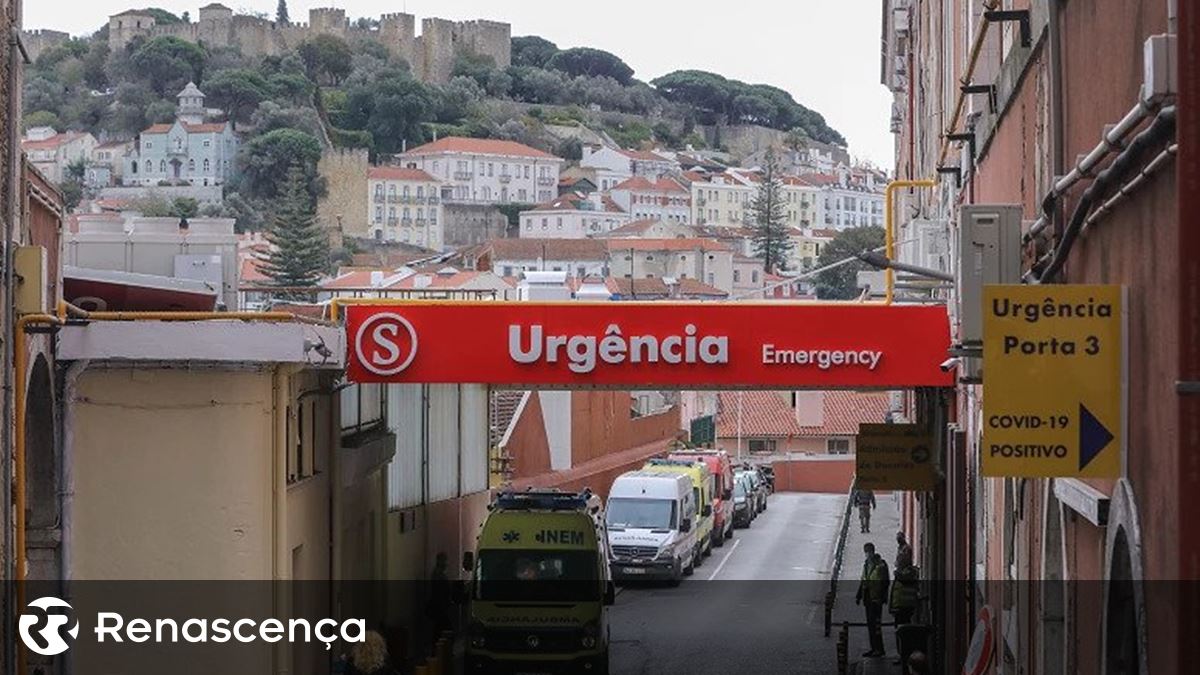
(725,559)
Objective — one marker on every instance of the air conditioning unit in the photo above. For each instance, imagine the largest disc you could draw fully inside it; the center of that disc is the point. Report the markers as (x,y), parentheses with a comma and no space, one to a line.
(989,252)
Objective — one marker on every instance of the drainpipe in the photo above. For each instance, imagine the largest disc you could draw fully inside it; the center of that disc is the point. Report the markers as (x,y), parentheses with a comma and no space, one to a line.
(280,388)
(1054,44)
(67,489)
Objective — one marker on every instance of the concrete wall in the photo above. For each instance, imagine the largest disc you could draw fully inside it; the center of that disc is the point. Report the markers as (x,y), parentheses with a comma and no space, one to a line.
(469,224)
(828,475)
(172,475)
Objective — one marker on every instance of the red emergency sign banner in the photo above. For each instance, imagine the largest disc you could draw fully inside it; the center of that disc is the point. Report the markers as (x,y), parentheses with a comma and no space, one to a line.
(651,345)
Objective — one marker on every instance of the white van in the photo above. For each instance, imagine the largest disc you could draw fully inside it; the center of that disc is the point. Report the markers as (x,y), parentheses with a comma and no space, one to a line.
(651,526)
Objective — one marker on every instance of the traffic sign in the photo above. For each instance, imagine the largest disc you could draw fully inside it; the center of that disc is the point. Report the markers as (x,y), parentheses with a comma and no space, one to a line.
(894,457)
(1053,381)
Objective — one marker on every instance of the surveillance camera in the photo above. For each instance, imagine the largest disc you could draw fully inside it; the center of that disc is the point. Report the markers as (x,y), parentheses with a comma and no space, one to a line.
(950,364)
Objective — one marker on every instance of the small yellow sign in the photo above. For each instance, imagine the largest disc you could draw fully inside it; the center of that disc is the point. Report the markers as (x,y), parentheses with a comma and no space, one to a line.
(1053,390)
(894,457)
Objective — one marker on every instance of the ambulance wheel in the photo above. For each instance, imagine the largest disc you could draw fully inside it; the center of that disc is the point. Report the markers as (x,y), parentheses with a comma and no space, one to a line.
(691,566)
(729,531)
(719,540)
(708,547)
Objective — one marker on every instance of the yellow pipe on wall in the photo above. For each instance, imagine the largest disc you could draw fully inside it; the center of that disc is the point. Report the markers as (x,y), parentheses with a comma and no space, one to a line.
(64,311)
(889,225)
(19,365)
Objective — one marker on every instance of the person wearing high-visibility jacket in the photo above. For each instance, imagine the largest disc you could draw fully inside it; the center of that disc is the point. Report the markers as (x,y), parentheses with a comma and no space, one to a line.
(872,593)
(902,601)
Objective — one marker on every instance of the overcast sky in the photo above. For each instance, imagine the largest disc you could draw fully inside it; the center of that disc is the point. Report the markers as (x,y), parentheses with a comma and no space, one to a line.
(825,52)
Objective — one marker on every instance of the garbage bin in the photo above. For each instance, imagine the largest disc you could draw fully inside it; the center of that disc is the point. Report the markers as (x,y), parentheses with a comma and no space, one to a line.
(914,637)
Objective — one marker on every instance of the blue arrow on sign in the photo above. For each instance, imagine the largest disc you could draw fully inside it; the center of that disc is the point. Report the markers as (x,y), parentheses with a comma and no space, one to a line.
(1093,436)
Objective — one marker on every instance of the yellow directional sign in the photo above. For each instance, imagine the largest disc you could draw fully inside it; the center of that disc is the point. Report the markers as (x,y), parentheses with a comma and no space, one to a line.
(894,457)
(1053,369)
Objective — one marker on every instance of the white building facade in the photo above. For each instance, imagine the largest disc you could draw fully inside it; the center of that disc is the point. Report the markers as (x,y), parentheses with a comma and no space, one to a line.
(487,171)
(53,153)
(573,216)
(657,199)
(405,205)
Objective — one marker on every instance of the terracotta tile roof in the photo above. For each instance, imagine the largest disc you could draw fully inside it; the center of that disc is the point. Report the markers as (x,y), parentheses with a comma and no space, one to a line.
(207,128)
(819,179)
(54,141)
(643,155)
(385,259)
(695,288)
(633,229)
(845,410)
(398,173)
(676,244)
(251,273)
(640,289)
(458,279)
(763,413)
(575,202)
(479,146)
(766,413)
(823,233)
(357,279)
(643,184)
(551,249)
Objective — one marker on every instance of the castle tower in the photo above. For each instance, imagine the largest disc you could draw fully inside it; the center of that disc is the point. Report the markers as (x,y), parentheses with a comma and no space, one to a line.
(327,20)
(216,25)
(398,32)
(191,105)
(125,26)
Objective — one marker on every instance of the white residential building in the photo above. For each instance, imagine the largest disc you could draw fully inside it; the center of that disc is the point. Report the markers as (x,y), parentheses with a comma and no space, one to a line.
(52,153)
(405,206)
(487,171)
(848,201)
(614,165)
(706,260)
(659,199)
(510,257)
(573,216)
(107,164)
(727,200)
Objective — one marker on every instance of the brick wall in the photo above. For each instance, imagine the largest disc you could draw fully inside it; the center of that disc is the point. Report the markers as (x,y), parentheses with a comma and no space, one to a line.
(815,475)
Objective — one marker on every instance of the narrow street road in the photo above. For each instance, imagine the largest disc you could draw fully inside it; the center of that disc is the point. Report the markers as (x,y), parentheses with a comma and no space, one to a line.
(756,605)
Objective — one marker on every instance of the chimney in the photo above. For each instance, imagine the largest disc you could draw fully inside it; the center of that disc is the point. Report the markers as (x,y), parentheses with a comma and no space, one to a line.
(376,278)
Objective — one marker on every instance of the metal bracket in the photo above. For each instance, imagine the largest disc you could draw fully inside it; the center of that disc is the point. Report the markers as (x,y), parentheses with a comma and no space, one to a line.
(952,170)
(989,89)
(965,137)
(1187,387)
(1019,15)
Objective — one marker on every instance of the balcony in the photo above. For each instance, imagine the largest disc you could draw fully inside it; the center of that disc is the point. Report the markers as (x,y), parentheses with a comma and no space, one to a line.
(406,221)
(432,199)
(393,221)
(462,175)
(421,222)
(505,178)
(378,198)
(393,199)
(547,180)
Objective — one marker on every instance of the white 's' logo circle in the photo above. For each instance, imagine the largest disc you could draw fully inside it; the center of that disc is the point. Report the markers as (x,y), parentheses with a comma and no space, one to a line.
(385,344)
(52,633)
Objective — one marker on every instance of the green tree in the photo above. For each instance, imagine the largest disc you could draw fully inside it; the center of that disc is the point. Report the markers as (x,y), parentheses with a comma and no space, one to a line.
(162,16)
(796,139)
(841,283)
(327,59)
(167,63)
(770,238)
(281,13)
(41,118)
(299,248)
(534,85)
(533,51)
(236,91)
(591,62)
(394,108)
(268,158)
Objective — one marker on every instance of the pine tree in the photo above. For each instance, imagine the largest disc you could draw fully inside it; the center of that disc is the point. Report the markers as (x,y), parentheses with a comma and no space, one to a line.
(770,237)
(299,248)
(281,13)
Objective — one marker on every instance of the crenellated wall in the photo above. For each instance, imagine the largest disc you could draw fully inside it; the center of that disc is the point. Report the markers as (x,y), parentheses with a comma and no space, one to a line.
(431,55)
(38,41)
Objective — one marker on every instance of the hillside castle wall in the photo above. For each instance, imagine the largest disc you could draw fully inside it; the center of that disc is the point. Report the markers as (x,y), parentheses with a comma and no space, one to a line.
(430,54)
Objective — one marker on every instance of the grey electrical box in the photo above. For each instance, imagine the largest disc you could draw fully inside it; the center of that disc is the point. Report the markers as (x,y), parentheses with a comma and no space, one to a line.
(989,252)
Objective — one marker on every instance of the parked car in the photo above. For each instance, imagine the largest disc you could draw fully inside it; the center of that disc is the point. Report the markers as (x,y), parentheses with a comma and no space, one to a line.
(743,502)
(758,489)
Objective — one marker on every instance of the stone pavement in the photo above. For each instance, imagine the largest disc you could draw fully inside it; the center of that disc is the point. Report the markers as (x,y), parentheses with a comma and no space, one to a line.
(885,522)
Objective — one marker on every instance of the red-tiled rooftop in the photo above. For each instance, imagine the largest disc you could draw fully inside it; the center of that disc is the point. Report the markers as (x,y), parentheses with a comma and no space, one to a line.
(643,184)
(479,146)
(551,249)
(767,413)
(398,173)
(675,244)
